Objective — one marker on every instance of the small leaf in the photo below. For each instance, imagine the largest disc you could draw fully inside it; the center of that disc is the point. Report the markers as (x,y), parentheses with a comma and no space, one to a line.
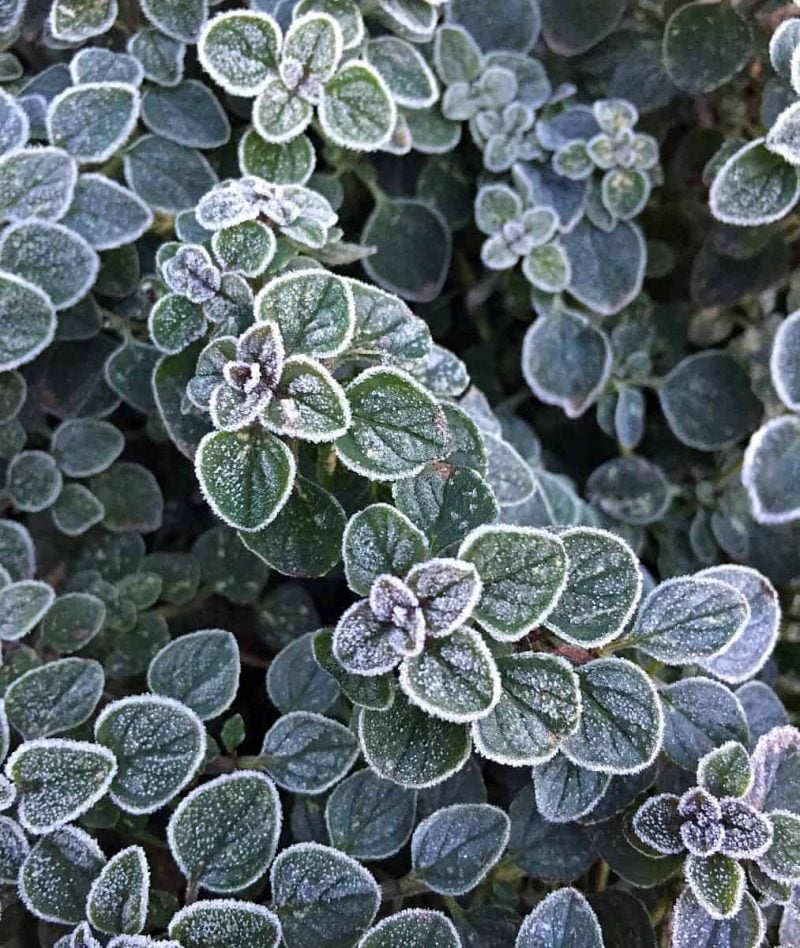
(239,50)
(131,497)
(144,729)
(621,724)
(694,927)
(407,746)
(368,817)
(73,621)
(74,21)
(565,791)
(14,847)
(309,403)
(160,56)
(356,110)
(725,771)
(369,692)
(607,267)
(33,481)
(781,861)
(225,923)
(85,446)
(377,540)
(224,834)
(91,121)
(201,670)
(308,753)
(699,715)
(630,489)
(296,682)
(278,114)
(768,472)
(22,340)
(58,780)
(23,605)
(561,919)
(55,697)
(717,882)
(167,176)
(290,162)
(188,114)
(57,874)
(36,182)
(405,73)
(105,214)
(754,187)
(247,247)
(118,899)
(783,362)
(412,928)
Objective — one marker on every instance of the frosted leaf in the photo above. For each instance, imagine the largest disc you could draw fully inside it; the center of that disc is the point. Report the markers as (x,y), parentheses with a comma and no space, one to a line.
(52,257)
(404,71)
(14,847)
(368,817)
(411,748)
(192,273)
(747,654)
(21,340)
(397,426)
(686,619)
(443,374)
(139,941)
(357,111)
(565,791)
(763,709)
(58,780)
(5,733)
(311,52)
(523,572)
(296,681)
(167,176)
(345,12)
(717,883)
(33,481)
(747,833)
(307,753)
(781,861)
(160,56)
(188,114)
(621,723)
(784,137)
(57,874)
(754,187)
(105,214)
(700,714)
(394,604)
(181,20)
(225,923)
(412,928)
(17,552)
(496,205)
(768,471)
(785,361)
(247,247)
(54,697)
(454,678)
(539,706)
(227,205)
(309,403)
(175,323)
(119,896)
(380,540)
(200,669)
(386,329)
(322,897)
(96,64)
(292,162)
(447,590)
(159,744)
(14,124)
(362,643)
(725,771)
(455,848)
(694,927)
(313,309)
(658,824)
(73,21)
(224,834)
(701,829)
(278,114)
(239,50)
(603,587)
(93,120)
(246,477)
(562,919)
(22,606)
(508,475)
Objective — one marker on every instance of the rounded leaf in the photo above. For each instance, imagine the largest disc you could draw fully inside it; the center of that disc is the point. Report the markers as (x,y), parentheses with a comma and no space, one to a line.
(239,50)
(561,919)
(225,923)
(754,187)
(118,899)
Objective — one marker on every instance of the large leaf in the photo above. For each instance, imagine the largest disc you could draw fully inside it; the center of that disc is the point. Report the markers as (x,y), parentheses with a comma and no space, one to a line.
(562,919)
(57,696)
(225,923)
(307,753)
(754,186)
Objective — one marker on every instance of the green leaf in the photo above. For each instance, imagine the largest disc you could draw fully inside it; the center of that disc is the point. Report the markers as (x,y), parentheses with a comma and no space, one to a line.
(566,361)
(561,919)
(607,266)
(55,697)
(515,27)
(699,714)
(94,64)
(225,923)
(602,591)
(781,861)
(85,446)
(246,476)
(188,114)
(312,50)
(289,162)
(23,605)
(754,187)
(386,329)
(131,497)
(356,110)
(227,567)
(767,473)
(93,120)
(129,373)
(181,20)
(57,874)
(72,622)
(368,817)
(224,834)
(296,682)
(409,747)
(247,248)
(397,426)
(33,481)
(52,258)
(13,392)
(118,899)
(105,214)
(414,248)
(14,848)
(375,692)
(693,927)
(523,573)
(201,670)
(323,898)
(454,849)
(725,771)
(308,404)
(307,753)
(412,928)
(175,323)
(74,21)
(717,883)
(239,50)
(630,489)
(278,114)
(313,309)
(686,619)
(565,791)
(305,538)
(159,744)
(705,45)
(446,503)
(160,56)
(167,176)
(539,707)
(58,780)
(36,182)
(378,540)
(405,73)
(621,722)
(170,378)
(22,340)
(454,678)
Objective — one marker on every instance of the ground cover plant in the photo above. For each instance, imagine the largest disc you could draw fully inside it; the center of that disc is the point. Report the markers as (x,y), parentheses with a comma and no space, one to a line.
(400,465)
